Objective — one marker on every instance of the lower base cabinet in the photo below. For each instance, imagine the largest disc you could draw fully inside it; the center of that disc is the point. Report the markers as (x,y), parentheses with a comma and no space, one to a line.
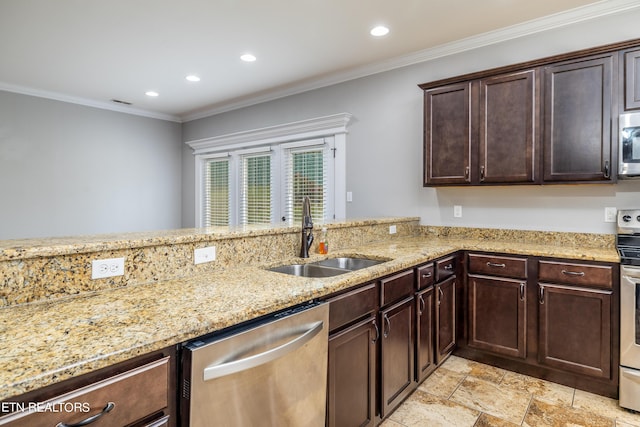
(397,354)
(575,329)
(425,353)
(352,376)
(445,318)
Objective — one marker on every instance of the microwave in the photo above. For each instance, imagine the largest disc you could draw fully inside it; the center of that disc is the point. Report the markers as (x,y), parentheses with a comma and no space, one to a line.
(629,146)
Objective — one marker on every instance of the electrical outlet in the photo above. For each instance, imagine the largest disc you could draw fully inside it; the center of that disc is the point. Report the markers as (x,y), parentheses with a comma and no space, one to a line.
(111,267)
(457,211)
(349,196)
(610,214)
(392,229)
(202,255)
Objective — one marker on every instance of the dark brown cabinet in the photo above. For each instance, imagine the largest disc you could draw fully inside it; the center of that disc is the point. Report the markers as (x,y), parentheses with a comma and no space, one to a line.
(352,376)
(550,318)
(445,297)
(447,135)
(353,343)
(498,305)
(631,79)
(481,131)
(575,317)
(105,396)
(397,351)
(425,339)
(507,146)
(578,105)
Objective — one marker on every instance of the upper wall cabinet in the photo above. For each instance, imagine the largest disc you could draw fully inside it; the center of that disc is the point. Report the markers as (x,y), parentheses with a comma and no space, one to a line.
(552,120)
(481,131)
(578,104)
(447,118)
(631,78)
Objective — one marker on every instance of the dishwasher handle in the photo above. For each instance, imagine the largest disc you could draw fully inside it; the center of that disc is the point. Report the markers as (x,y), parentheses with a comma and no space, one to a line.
(220,370)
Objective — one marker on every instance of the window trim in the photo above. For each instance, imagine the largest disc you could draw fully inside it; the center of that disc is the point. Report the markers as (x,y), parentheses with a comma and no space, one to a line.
(333,126)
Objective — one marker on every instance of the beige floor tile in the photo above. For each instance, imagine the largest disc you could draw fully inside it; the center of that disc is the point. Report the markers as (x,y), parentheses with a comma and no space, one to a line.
(485,396)
(540,389)
(604,406)
(543,414)
(390,423)
(475,369)
(425,410)
(623,424)
(487,420)
(442,382)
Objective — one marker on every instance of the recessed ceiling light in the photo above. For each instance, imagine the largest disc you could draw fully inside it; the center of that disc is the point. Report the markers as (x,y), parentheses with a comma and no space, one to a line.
(247,57)
(379,31)
(151,93)
(193,78)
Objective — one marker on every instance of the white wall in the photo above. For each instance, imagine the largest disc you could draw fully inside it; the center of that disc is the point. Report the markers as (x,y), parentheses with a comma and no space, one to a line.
(67,169)
(384,158)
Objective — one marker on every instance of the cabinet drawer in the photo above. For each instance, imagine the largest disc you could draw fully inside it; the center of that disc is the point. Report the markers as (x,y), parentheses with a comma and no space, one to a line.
(350,306)
(445,268)
(132,396)
(576,274)
(498,266)
(396,287)
(426,276)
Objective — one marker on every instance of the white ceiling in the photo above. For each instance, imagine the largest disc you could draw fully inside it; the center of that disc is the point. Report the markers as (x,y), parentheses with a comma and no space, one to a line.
(93,51)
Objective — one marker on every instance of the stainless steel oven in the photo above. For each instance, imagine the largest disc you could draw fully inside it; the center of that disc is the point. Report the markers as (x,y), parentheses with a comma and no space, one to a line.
(629,146)
(628,244)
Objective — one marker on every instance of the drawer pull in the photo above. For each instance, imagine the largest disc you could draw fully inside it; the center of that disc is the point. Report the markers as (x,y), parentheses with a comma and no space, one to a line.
(448,267)
(92,418)
(573,273)
(494,264)
(427,275)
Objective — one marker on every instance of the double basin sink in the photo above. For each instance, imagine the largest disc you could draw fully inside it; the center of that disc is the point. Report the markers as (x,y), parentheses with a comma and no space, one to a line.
(327,267)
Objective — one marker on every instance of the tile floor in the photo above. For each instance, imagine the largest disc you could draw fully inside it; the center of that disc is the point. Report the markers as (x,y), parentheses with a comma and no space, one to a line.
(465,393)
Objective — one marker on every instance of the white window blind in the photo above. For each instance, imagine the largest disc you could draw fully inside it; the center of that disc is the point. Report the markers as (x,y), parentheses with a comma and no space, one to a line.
(305,174)
(216,192)
(256,189)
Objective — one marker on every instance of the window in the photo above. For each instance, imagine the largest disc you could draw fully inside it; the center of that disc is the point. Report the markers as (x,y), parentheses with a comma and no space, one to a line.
(246,178)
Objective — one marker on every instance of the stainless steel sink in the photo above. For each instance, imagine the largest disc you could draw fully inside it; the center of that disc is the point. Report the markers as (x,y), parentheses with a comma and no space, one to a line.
(349,263)
(309,270)
(327,267)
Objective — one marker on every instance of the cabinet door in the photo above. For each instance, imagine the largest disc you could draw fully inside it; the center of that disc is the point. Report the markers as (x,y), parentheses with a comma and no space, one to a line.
(396,354)
(425,340)
(578,102)
(575,329)
(352,369)
(497,315)
(507,128)
(447,135)
(445,318)
(632,80)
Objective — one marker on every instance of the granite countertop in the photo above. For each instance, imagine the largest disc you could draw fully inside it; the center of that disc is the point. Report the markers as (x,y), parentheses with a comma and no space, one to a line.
(48,342)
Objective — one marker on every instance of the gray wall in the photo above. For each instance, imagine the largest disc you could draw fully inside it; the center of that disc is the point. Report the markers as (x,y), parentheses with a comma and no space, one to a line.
(384,158)
(67,169)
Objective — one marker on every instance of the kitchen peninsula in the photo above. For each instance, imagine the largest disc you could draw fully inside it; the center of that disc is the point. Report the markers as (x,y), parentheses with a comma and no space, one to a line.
(58,324)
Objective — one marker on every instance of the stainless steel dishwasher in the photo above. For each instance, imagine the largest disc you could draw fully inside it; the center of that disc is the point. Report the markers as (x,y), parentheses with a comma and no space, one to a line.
(270,372)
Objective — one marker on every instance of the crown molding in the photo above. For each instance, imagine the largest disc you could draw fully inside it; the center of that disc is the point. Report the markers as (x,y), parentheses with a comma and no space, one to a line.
(87,102)
(558,20)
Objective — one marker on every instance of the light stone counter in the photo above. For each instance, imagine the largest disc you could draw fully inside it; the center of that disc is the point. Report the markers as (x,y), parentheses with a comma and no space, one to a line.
(49,341)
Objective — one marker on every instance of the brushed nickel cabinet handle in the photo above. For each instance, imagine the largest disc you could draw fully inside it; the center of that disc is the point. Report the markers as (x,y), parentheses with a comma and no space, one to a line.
(375,325)
(573,273)
(466,174)
(427,275)
(388,323)
(494,264)
(92,418)
(448,267)
(607,172)
(541,295)
(482,173)
(421,305)
(522,291)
